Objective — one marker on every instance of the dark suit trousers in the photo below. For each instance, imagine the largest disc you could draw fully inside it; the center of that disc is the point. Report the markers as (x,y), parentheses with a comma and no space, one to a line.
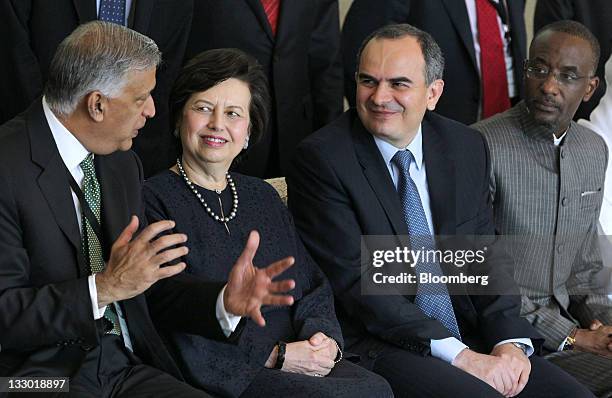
(110,370)
(413,375)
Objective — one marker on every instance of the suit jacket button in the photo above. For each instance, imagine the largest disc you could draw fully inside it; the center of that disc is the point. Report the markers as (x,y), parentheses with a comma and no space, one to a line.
(86,347)
(372,354)
(564,201)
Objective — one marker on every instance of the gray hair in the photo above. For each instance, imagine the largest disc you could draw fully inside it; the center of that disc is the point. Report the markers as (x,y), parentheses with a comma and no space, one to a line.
(97,56)
(434,59)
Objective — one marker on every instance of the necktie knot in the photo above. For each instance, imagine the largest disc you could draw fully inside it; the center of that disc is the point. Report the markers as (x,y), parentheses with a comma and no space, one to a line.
(87,165)
(403,159)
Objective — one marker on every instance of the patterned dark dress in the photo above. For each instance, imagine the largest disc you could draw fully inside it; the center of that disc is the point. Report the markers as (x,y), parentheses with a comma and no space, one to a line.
(235,366)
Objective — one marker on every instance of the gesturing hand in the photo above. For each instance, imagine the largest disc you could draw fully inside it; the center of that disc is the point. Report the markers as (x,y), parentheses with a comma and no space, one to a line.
(134,264)
(249,287)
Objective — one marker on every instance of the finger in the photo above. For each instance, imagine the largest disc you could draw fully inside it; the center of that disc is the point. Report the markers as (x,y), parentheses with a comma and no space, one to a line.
(279,267)
(166,241)
(249,249)
(171,270)
(522,382)
(256,316)
(277,299)
(169,255)
(317,338)
(150,232)
(128,232)
(595,324)
(508,381)
(281,286)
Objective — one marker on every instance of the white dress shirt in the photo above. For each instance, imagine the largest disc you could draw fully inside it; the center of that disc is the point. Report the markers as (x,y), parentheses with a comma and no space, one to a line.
(73,153)
(445,349)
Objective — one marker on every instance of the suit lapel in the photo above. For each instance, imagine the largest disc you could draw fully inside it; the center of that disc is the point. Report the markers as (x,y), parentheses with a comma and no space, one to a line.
(142,15)
(53,181)
(115,213)
(440,181)
(86,10)
(259,12)
(377,174)
(458,14)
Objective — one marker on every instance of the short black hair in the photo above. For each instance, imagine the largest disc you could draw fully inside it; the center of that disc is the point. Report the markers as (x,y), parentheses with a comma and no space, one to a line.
(575,29)
(212,67)
(434,59)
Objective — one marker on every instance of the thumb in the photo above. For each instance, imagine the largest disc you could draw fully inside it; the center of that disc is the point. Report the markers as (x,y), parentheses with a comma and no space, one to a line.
(250,248)
(126,235)
(596,324)
(317,338)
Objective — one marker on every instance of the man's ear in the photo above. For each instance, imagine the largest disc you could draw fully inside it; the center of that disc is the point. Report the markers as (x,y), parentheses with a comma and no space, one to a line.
(593,83)
(96,105)
(434,92)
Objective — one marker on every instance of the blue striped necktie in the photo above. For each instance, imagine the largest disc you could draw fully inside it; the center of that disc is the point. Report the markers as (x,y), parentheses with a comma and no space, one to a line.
(432,299)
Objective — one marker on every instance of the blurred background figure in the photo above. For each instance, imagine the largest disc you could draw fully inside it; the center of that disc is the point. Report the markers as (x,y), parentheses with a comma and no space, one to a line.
(297,43)
(595,15)
(600,121)
(484,41)
(31,31)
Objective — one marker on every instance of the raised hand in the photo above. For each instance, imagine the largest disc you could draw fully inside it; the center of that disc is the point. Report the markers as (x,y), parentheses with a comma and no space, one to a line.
(135,263)
(249,287)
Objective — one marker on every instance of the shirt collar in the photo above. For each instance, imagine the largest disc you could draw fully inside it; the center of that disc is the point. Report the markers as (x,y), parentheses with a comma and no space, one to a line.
(70,149)
(416,147)
(559,140)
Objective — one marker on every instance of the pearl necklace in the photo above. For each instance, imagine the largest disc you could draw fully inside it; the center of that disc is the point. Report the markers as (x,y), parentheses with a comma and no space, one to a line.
(216,217)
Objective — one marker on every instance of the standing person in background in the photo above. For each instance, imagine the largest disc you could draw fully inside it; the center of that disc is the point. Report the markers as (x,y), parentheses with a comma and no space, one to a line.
(297,44)
(595,15)
(31,31)
(484,41)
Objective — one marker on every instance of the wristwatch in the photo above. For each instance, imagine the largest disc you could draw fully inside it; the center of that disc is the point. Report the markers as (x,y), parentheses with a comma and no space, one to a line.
(280,356)
(570,341)
(522,346)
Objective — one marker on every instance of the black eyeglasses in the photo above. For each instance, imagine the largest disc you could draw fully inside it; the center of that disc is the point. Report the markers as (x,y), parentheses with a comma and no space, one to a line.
(541,72)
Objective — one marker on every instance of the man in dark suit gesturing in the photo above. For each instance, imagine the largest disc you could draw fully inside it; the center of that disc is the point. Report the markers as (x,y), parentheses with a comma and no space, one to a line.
(71,272)
(391,169)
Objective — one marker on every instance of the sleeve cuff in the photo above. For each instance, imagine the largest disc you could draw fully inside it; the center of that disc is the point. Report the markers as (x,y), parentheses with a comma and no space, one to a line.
(560,348)
(446,349)
(93,294)
(527,342)
(227,321)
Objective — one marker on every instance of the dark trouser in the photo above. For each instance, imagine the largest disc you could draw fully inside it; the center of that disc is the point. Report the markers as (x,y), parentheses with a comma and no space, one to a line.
(345,380)
(412,375)
(111,370)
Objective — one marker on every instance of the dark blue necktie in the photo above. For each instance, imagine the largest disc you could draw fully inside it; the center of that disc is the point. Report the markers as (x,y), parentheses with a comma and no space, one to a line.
(432,299)
(112,11)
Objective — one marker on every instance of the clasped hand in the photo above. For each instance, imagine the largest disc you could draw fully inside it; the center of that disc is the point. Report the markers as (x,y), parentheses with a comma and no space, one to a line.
(597,339)
(313,357)
(506,369)
(135,264)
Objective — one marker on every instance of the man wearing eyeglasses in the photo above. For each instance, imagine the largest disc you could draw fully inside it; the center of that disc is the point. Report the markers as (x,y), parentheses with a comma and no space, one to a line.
(547,180)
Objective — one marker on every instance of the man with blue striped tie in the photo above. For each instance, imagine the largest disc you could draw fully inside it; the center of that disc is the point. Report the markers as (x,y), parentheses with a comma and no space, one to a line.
(392,168)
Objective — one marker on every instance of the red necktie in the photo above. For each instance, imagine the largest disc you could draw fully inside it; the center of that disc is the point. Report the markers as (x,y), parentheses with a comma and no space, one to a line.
(271,8)
(492,64)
